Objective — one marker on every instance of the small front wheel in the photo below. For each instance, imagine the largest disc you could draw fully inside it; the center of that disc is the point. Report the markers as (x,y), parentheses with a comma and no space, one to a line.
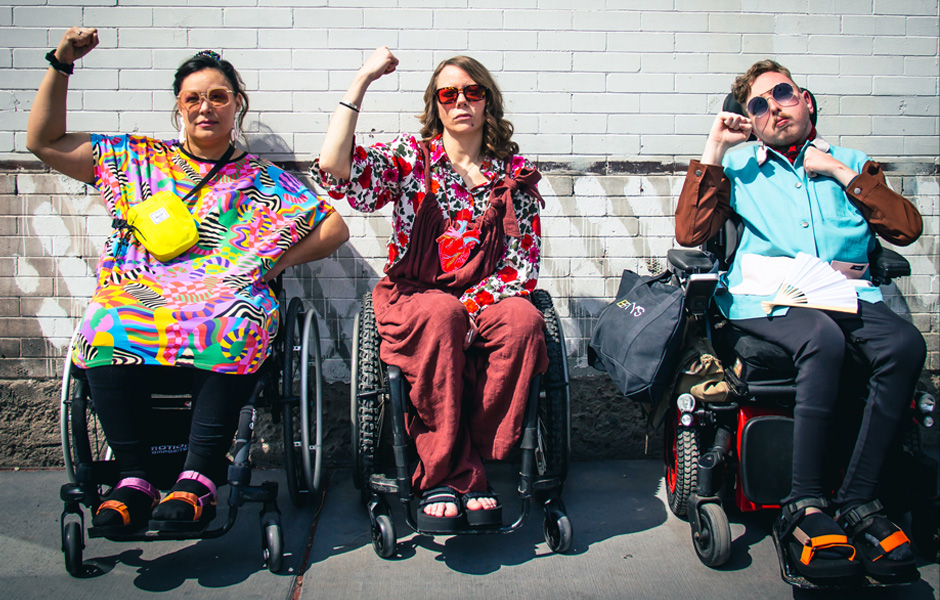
(273,546)
(72,545)
(383,536)
(713,540)
(558,533)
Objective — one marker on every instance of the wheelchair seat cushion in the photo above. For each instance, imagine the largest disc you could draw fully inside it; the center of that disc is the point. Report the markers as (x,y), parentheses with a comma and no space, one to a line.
(752,359)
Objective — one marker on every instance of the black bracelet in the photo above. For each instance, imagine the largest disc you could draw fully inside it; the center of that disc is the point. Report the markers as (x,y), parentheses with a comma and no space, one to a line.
(349,105)
(61,67)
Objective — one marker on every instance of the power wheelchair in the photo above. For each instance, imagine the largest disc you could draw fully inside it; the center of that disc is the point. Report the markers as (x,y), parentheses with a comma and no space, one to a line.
(290,387)
(379,401)
(739,452)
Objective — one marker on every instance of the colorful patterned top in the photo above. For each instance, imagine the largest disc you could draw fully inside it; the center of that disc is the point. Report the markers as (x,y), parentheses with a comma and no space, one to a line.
(394,173)
(206,308)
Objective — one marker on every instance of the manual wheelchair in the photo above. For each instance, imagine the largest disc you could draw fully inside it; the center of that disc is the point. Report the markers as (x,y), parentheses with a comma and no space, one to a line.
(289,386)
(379,401)
(739,451)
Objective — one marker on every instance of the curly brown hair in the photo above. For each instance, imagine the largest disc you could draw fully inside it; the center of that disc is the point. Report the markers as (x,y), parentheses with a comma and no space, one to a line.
(497,131)
(741,88)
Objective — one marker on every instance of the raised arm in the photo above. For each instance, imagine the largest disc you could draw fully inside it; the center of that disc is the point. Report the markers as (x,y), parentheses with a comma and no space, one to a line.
(704,203)
(46,134)
(336,153)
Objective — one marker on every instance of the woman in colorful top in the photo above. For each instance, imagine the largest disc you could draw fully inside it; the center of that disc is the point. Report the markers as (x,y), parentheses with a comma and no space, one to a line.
(207,315)
(465,251)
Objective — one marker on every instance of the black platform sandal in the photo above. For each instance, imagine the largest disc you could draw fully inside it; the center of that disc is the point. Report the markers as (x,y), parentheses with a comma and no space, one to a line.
(814,544)
(884,550)
(432,524)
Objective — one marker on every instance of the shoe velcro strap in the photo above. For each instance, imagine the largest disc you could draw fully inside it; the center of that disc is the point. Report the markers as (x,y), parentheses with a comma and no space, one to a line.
(794,512)
(858,514)
(117,506)
(823,542)
(141,485)
(891,542)
(189,498)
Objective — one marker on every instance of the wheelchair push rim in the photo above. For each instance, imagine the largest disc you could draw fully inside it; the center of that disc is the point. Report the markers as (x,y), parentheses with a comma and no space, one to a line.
(301,410)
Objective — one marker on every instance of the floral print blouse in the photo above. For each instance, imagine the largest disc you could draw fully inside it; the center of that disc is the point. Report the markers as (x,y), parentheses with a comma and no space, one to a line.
(394,173)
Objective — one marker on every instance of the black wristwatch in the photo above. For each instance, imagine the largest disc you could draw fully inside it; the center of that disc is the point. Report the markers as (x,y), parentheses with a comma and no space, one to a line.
(61,67)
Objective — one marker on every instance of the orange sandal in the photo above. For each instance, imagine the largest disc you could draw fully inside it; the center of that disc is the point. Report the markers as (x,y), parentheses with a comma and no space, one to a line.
(165,515)
(880,543)
(126,500)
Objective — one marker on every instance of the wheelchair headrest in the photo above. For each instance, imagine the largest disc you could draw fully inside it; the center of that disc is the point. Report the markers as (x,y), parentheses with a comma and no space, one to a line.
(732,105)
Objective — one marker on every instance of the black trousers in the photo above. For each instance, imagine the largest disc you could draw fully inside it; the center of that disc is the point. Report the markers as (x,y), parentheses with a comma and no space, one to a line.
(895,352)
(122,397)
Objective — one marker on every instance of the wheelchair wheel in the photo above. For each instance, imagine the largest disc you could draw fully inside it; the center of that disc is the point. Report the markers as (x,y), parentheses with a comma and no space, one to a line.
(302,410)
(554,422)
(367,394)
(383,536)
(713,540)
(81,434)
(681,456)
(272,544)
(557,529)
(72,545)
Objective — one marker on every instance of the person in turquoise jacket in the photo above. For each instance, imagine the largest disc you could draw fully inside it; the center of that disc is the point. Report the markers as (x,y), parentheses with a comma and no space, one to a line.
(799,197)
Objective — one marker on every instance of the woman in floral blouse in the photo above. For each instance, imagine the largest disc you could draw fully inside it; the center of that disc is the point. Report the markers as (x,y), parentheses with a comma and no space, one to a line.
(464,251)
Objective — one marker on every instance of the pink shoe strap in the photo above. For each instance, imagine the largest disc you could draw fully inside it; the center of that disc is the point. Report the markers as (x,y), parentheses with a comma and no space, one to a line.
(197,476)
(136,483)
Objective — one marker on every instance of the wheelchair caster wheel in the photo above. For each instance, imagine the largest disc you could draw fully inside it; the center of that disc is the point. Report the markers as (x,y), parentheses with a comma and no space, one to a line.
(558,531)
(72,544)
(273,546)
(713,540)
(383,536)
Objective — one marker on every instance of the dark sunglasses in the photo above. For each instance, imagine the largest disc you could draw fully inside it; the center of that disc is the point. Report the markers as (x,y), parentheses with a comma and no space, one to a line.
(472,93)
(782,93)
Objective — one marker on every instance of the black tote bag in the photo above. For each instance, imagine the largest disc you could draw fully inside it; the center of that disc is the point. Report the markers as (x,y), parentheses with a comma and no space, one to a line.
(638,338)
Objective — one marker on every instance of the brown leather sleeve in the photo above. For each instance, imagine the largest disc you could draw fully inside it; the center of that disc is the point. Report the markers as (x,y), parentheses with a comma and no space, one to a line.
(890,214)
(704,204)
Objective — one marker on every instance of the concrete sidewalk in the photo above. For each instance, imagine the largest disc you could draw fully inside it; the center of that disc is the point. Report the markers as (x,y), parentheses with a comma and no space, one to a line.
(627,544)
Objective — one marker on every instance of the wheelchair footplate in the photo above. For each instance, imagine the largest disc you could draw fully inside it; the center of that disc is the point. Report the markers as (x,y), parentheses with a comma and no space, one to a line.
(792,576)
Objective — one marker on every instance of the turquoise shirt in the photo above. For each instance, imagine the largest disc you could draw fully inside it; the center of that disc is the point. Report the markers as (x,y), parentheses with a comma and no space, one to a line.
(784,212)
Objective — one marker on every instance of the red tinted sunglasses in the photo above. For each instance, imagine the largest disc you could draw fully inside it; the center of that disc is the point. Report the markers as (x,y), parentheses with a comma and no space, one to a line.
(449,95)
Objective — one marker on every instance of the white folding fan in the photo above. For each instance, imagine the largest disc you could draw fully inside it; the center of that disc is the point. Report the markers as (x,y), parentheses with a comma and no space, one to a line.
(812,283)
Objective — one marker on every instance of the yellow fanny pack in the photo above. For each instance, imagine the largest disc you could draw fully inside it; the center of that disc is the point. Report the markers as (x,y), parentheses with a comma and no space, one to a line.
(163,223)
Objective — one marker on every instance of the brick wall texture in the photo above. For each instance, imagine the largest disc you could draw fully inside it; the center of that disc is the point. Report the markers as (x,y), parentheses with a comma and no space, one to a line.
(611,98)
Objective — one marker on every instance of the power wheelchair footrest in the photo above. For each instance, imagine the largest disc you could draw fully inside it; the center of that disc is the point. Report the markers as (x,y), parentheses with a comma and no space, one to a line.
(790,575)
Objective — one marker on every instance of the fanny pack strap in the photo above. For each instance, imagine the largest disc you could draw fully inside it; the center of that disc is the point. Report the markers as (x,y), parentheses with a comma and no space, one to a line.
(122,223)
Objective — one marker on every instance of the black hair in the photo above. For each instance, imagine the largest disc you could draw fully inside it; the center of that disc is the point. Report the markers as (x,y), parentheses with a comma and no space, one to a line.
(207,59)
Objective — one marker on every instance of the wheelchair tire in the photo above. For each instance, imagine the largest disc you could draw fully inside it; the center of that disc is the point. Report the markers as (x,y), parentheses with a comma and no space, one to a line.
(273,550)
(367,394)
(383,536)
(681,456)
(72,545)
(554,422)
(291,422)
(713,541)
(558,531)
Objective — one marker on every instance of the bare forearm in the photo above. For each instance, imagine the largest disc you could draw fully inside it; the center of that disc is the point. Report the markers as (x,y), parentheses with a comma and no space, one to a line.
(336,153)
(46,132)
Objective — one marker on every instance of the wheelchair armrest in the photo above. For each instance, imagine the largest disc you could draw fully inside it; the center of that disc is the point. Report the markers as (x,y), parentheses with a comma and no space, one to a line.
(886,265)
(691,260)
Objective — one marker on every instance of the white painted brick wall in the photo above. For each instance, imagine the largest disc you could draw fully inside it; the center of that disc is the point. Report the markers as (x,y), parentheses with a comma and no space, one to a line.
(598,89)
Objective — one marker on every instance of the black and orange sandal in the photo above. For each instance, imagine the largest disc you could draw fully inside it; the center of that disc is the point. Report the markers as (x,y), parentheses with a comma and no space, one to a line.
(814,545)
(483,517)
(884,550)
(430,523)
(127,508)
(189,506)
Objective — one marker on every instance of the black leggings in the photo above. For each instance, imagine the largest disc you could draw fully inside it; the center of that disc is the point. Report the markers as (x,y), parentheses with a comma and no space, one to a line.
(121,395)
(894,350)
